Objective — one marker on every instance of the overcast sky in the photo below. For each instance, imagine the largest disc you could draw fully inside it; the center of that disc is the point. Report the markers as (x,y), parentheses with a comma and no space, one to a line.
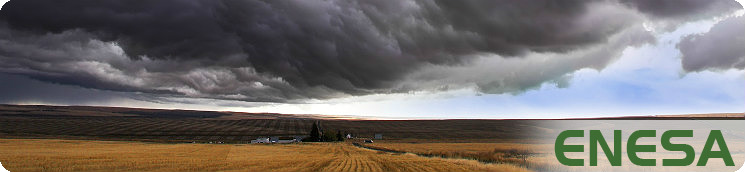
(386,59)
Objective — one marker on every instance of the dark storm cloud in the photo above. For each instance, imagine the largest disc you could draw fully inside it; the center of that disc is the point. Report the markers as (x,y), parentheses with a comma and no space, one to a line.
(723,47)
(282,50)
(163,28)
(25,90)
(72,57)
(682,8)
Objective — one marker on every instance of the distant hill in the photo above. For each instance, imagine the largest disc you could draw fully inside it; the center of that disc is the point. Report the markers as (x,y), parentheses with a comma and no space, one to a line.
(710,115)
(118,123)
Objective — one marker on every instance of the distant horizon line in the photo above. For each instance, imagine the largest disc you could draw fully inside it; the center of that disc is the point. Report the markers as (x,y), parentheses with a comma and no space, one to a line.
(365,117)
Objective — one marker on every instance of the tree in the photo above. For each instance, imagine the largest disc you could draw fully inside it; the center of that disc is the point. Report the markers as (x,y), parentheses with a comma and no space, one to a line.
(315,135)
(339,136)
(328,138)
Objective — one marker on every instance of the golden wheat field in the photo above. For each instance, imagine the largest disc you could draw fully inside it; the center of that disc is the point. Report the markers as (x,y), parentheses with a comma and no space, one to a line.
(466,147)
(531,156)
(80,155)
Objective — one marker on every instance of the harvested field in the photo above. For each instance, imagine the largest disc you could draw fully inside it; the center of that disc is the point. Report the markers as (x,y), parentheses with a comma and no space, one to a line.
(77,155)
(519,154)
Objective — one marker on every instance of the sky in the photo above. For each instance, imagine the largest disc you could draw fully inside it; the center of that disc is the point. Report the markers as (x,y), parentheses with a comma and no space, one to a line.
(390,59)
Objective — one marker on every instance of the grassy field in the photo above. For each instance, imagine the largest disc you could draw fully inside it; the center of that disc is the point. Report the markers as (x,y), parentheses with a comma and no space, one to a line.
(78,155)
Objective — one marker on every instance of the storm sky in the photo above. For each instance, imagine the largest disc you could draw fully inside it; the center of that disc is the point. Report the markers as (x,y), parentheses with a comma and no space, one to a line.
(386,58)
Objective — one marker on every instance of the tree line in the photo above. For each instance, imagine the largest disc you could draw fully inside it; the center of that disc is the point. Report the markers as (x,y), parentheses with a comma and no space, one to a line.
(317,135)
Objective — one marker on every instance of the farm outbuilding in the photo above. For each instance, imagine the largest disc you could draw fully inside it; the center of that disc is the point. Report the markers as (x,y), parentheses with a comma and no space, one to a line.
(279,139)
(284,139)
(261,140)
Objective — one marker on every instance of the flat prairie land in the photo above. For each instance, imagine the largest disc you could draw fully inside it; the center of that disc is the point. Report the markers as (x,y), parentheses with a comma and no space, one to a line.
(82,155)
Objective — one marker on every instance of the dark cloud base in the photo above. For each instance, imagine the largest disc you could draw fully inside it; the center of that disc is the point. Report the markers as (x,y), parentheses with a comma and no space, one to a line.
(20,89)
